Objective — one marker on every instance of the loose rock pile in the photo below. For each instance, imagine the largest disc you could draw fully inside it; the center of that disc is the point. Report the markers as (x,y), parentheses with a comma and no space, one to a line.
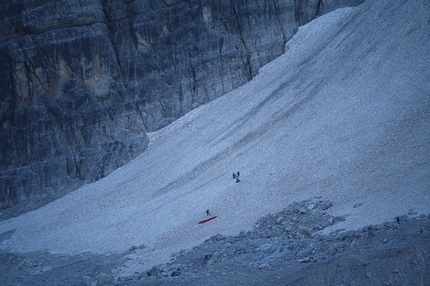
(283,244)
(282,249)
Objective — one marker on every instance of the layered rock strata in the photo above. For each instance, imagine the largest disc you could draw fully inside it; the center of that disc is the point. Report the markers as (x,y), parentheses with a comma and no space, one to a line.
(83,81)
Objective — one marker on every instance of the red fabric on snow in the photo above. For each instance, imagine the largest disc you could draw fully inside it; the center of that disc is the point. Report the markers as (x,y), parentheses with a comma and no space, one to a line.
(206,220)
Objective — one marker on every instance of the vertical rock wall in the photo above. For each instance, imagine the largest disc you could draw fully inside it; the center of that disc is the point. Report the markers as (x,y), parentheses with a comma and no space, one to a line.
(82,81)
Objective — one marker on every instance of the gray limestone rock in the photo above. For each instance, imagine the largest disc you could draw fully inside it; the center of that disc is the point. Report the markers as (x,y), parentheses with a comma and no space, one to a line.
(83,81)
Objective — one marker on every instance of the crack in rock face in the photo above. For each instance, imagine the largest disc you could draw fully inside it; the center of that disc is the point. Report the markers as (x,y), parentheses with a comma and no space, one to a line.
(83,81)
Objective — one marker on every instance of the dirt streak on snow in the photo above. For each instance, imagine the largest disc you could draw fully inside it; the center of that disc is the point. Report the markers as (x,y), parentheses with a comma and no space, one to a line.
(343,114)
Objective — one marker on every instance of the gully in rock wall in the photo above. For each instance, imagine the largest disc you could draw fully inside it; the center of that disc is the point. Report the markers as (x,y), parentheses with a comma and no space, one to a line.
(83,81)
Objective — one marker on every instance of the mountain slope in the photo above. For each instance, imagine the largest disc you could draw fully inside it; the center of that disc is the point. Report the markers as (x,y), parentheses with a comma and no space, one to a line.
(343,114)
(82,81)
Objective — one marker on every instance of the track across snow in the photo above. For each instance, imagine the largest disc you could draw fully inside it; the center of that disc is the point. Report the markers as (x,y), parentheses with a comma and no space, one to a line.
(343,114)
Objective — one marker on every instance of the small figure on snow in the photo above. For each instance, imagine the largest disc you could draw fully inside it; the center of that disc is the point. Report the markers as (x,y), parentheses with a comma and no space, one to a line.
(207,212)
(238,174)
(235,176)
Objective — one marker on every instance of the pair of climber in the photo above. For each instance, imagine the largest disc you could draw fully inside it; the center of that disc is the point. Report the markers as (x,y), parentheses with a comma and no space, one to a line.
(236,177)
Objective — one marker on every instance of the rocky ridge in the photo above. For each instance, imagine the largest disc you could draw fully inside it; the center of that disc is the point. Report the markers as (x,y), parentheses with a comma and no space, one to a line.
(285,248)
(83,81)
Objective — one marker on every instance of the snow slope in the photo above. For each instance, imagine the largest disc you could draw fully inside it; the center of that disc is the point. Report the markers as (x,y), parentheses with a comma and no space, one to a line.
(344,114)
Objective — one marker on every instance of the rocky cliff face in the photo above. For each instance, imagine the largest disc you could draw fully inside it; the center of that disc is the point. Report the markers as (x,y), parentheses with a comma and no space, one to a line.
(82,81)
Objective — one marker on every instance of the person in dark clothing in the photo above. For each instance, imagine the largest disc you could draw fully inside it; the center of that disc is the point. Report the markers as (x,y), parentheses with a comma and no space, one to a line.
(208,213)
(238,174)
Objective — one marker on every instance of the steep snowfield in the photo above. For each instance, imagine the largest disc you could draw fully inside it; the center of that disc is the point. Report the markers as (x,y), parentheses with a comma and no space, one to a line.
(344,114)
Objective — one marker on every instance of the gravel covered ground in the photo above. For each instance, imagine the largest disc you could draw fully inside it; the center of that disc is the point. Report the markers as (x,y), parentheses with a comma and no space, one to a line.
(330,138)
(282,249)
